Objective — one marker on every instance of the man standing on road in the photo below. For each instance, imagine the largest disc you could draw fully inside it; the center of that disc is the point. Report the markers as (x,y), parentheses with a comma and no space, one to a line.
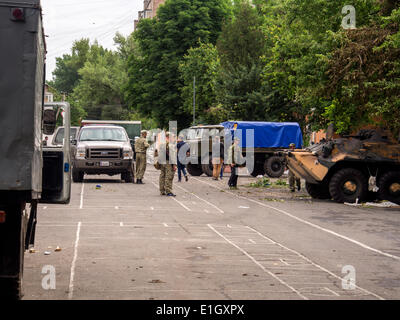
(141,146)
(293,180)
(166,153)
(235,158)
(181,166)
(217,157)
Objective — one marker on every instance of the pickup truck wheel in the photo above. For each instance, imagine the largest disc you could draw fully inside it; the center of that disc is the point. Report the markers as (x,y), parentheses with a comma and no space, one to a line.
(318,191)
(77,176)
(194,170)
(348,185)
(12,248)
(389,187)
(128,177)
(274,167)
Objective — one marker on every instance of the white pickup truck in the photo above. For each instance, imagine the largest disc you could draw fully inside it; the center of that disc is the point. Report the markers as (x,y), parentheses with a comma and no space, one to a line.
(103,149)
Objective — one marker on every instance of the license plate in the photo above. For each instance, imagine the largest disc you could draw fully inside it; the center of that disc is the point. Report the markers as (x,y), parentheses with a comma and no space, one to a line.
(104,164)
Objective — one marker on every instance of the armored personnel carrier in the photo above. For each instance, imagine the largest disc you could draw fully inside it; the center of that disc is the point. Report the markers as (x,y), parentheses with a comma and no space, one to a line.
(351,168)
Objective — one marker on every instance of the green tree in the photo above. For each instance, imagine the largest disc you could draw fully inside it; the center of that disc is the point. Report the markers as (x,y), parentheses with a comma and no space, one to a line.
(154,87)
(304,36)
(203,63)
(100,89)
(241,89)
(66,75)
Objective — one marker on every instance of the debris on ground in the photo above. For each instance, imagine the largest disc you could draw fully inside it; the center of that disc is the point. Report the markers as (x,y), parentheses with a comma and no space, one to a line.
(98,187)
(156,281)
(58,249)
(32,250)
(383,204)
(47,253)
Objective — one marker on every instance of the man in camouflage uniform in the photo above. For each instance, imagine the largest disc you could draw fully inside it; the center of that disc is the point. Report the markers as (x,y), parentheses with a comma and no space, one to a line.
(293,180)
(141,146)
(167,159)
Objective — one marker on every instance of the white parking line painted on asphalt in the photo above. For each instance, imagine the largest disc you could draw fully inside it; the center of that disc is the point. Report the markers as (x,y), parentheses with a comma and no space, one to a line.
(173,198)
(313,263)
(284,262)
(258,263)
(73,264)
(188,209)
(81,204)
(331,291)
(209,203)
(309,223)
(252,241)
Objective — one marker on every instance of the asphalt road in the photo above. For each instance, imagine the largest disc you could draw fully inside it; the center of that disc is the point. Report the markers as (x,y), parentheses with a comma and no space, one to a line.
(125,241)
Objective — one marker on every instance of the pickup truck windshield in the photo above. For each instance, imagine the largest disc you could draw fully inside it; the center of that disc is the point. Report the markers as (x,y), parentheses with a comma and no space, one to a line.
(103,134)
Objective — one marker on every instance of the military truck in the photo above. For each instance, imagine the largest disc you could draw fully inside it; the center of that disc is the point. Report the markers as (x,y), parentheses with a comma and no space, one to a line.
(269,139)
(29,173)
(350,169)
(199,138)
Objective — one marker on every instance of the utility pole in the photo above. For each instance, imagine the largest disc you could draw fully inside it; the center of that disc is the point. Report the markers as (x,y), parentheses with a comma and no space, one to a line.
(194,100)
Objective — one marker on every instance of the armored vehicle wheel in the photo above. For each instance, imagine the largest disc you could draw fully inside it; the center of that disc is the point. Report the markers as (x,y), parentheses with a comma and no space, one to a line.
(348,185)
(194,169)
(77,176)
(12,248)
(274,167)
(389,187)
(318,191)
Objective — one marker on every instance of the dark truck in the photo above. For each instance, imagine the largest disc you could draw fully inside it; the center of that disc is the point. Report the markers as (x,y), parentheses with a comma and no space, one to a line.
(270,138)
(29,173)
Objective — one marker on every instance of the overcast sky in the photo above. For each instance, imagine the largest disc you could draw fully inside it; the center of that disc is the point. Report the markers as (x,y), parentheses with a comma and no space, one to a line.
(69,20)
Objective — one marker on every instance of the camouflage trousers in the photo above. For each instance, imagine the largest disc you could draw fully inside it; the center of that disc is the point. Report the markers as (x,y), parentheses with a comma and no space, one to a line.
(140,165)
(166,178)
(293,181)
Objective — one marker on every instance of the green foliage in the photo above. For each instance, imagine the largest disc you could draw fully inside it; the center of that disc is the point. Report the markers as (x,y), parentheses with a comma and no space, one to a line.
(66,75)
(281,182)
(203,63)
(335,75)
(242,91)
(261,183)
(100,88)
(155,83)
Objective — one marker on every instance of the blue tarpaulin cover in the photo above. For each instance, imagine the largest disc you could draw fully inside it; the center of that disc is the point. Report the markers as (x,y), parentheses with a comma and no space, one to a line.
(268,134)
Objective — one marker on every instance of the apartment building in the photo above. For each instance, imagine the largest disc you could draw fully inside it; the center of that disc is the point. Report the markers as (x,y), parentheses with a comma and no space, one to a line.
(149,9)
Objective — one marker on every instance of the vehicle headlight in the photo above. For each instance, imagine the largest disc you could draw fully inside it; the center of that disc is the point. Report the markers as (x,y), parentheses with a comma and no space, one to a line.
(128,154)
(80,153)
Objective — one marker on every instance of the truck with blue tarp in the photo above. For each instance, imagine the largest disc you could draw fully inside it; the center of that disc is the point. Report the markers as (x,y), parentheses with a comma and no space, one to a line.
(269,138)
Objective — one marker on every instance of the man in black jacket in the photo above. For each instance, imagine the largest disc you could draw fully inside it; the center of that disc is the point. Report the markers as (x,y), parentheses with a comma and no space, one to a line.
(181,166)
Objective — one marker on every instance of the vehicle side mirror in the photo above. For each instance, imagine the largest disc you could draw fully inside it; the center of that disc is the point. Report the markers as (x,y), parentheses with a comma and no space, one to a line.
(49,121)
(74,142)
